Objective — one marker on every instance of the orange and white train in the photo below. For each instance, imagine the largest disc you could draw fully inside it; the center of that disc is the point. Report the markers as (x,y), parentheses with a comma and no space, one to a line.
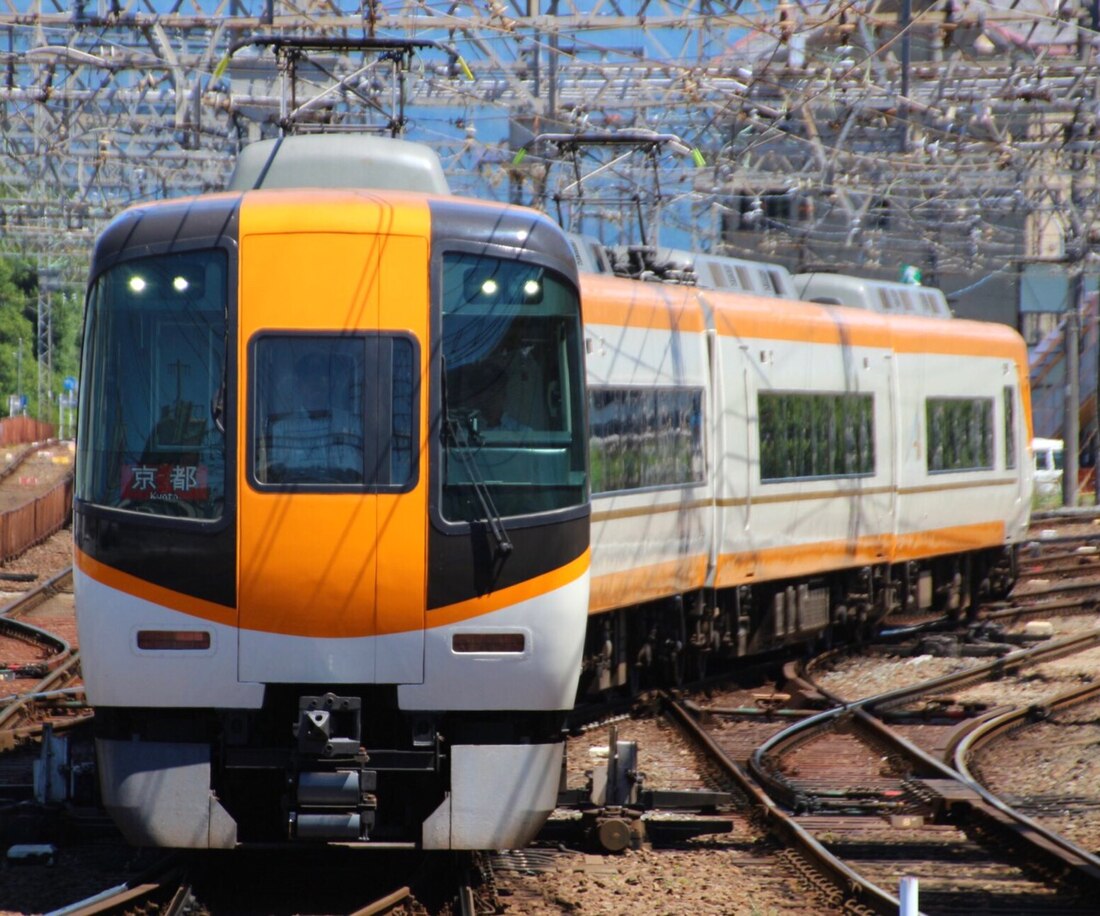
(767,471)
(361,499)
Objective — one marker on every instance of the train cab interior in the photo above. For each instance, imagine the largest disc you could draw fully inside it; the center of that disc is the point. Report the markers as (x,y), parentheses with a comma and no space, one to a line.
(513,420)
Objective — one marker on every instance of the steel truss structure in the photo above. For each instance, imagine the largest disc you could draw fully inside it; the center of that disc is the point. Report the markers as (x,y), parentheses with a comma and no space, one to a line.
(957,135)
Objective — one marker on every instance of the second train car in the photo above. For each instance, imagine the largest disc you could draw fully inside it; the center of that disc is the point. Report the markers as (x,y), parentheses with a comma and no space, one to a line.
(769,472)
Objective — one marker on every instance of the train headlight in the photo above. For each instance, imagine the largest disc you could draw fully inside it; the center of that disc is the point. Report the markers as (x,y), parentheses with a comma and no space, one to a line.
(137,284)
(180,284)
(490,287)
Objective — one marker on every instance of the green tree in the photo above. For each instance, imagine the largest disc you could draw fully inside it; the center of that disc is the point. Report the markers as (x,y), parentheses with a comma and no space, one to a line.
(19,356)
(18,292)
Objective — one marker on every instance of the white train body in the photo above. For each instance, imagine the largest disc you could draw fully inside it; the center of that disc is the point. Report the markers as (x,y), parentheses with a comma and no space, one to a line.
(755,553)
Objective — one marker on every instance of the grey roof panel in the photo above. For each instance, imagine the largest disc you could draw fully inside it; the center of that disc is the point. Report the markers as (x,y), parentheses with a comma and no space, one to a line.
(339,161)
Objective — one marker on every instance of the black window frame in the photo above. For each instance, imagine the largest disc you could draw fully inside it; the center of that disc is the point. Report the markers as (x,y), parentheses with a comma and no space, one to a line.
(450,245)
(226,248)
(366,486)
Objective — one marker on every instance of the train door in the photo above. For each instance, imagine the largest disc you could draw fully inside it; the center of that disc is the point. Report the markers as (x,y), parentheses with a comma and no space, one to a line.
(892,458)
(734,452)
(712,438)
(332,500)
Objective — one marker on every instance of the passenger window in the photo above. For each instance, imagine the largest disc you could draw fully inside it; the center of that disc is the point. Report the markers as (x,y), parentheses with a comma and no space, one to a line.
(960,434)
(645,437)
(812,435)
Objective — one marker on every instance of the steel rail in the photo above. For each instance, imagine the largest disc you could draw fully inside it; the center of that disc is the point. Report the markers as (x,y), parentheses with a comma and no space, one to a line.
(59,648)
(38,594)
(995,725)
(1038,837)
(119,898)
(19,705)
(992,728)
(1065,586)
(841,876)
(385,904)
(999,667)
(60,665)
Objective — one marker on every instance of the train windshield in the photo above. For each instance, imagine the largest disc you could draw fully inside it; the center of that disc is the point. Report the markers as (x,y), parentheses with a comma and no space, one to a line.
(152,436)
(512,398)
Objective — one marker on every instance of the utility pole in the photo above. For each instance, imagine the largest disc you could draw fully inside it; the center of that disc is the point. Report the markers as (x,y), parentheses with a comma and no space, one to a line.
(905,24)
(1073,386)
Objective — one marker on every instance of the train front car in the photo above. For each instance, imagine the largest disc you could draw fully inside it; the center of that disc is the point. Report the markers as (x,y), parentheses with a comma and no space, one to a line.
(332,518)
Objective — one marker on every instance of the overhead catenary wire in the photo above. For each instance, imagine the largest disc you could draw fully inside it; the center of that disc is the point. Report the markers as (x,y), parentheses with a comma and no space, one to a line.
(721,75)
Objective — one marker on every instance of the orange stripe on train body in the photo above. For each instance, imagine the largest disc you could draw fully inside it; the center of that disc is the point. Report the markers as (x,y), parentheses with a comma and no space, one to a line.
(662,580)
(792,561)
(226,616)
(627,303)
(619,302)
(144,590)
(646,583)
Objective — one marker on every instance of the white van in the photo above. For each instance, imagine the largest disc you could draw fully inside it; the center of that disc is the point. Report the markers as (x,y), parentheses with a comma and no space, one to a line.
(1049,462)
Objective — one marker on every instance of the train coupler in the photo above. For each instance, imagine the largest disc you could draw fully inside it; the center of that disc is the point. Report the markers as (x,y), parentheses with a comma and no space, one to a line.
(334,805)
(328,726)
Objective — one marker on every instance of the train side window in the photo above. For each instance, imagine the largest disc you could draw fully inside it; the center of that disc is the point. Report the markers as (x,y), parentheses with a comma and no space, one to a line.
(333,412)
(645,437)
(959,434)
(1010,427)
(816,435)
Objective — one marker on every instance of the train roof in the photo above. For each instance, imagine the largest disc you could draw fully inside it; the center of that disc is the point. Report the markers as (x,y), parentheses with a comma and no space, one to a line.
(714,271)
(352,160)
(886,296)
(208,220)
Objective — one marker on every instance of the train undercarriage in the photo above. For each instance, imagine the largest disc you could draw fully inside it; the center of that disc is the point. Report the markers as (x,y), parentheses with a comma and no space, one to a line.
(667,641)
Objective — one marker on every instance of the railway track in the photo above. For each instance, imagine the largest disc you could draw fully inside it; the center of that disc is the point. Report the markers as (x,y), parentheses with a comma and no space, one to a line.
(43,691)
(164,889)
(876,826)
(1055,739)
(170,893)
(880,812)
(863,797)
(179,884)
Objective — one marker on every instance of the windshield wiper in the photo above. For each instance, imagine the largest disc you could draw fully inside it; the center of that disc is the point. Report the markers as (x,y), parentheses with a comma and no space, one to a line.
(456,432)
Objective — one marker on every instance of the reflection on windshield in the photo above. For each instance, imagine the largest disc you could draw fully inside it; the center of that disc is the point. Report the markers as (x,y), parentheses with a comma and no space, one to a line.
(511,352)
(151,438)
